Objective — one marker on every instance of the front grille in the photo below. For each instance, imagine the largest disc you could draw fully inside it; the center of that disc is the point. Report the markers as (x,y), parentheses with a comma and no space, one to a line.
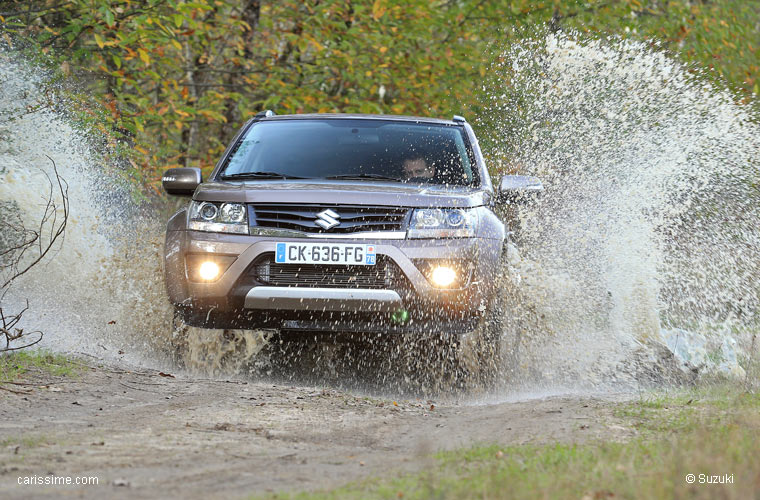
(351,218)
(382,275)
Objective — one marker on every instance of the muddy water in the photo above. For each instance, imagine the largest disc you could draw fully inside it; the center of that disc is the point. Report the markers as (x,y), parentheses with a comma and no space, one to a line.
(100,290)
(644,244)
(648,230)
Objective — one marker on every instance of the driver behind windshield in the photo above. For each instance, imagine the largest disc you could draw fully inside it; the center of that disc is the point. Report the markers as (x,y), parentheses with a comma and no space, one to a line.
(417,168)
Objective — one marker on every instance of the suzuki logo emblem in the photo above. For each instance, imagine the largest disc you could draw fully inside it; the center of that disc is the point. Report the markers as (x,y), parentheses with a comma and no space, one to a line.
(327,219)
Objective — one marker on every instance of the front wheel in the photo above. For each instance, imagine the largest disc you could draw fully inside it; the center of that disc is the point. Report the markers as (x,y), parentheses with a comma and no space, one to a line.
(488,355)
(213,351)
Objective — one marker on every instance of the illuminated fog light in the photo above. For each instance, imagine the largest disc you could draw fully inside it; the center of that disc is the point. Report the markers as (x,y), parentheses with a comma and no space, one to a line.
(209,271)
(443,276)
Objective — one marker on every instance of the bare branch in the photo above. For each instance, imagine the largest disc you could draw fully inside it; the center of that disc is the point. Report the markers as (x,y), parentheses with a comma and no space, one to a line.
(23,248)
(56,229)
(7,328)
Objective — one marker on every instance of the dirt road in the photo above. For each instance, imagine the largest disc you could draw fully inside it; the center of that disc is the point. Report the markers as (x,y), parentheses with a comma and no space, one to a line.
(146,435)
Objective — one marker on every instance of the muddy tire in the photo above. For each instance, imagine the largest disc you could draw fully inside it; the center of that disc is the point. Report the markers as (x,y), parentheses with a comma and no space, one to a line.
(488,355)
(178,337)
(475,357)
(214,351)
(476,361)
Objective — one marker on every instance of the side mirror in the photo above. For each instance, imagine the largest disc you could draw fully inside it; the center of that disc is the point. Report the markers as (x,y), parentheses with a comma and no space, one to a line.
(181,181)
(519,188)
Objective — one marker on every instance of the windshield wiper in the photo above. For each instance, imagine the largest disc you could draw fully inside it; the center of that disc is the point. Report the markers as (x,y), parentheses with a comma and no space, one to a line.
(364,176)
(262,175)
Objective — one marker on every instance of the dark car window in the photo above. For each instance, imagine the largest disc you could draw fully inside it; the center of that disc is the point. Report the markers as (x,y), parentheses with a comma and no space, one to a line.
(368,149)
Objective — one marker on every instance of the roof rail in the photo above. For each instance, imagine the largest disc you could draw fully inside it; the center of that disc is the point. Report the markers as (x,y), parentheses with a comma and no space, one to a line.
(458,118)
(265,114)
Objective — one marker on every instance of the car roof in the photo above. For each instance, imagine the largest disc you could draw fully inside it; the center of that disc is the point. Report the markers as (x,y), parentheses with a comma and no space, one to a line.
(357,116)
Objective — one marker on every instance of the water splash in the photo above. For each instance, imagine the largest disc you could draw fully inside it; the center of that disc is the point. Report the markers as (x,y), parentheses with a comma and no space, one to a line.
(100,291)
(647,226)
(649,219)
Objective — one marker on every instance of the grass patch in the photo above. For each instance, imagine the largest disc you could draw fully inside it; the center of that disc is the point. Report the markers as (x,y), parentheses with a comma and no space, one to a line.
(26,441)
(658,412)
(706,432)
(16,364)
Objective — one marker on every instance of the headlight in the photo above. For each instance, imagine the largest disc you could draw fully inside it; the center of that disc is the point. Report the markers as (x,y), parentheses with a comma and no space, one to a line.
(218,217)
(443,223)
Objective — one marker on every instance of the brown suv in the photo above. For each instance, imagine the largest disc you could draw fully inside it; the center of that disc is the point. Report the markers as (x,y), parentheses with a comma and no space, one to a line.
(340,223)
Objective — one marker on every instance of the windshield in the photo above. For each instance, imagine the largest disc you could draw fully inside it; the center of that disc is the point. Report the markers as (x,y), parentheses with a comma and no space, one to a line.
(371,150)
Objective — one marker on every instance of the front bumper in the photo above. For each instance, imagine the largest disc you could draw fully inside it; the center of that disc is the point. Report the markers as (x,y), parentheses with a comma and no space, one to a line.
(322,299)
(228,295)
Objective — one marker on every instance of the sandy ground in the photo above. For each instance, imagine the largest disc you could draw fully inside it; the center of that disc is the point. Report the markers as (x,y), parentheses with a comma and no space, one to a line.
(146,435)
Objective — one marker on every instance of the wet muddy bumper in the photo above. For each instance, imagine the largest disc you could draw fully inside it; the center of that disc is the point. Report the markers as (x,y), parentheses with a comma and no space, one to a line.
(322,299)
(237,296)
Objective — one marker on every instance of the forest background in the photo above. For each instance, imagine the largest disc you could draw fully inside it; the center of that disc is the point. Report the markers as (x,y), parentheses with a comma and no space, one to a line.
(168,82)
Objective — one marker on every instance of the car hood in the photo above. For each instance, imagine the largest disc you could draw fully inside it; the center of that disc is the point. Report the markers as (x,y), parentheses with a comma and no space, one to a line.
(343,193)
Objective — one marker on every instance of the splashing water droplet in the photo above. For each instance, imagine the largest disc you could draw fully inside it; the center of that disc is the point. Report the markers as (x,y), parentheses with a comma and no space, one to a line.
(649,219)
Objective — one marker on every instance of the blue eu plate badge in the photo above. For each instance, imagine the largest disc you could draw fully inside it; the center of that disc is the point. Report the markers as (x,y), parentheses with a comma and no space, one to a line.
(280,253)
(371,256)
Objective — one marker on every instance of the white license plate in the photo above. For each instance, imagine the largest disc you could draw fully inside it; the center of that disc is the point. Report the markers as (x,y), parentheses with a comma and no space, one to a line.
(325,253)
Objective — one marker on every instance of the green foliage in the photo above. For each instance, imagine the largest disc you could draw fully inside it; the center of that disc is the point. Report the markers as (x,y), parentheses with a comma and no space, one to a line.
(177,78)
(16,364)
